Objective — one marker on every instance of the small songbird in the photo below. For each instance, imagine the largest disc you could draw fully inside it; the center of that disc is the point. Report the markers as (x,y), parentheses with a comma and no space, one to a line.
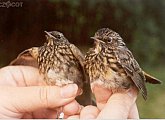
(60,62)
(111,64)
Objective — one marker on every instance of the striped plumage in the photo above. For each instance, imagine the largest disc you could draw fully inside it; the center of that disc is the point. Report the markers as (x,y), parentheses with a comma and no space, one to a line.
(57,61)
(60,62)
(110,64)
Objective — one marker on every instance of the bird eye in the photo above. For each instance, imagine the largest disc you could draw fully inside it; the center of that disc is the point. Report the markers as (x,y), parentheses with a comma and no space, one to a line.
(109,40)
(58,36)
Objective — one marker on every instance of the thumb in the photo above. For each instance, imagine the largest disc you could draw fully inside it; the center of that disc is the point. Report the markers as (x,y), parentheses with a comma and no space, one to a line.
(119,105)
(29,99)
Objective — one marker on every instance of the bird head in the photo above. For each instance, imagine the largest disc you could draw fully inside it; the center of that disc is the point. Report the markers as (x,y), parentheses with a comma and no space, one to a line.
(54,37)
(108,37)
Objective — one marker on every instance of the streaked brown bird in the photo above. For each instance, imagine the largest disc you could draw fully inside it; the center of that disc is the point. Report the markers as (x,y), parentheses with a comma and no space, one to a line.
(60,62)
(111,64)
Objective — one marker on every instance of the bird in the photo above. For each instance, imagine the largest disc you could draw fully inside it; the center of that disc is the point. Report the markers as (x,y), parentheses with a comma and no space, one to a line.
(60,62)
(111,64)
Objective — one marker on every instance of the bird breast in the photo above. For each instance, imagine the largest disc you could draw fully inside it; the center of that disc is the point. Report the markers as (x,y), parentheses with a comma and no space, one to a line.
(103,69)
(58,77)
(60,66)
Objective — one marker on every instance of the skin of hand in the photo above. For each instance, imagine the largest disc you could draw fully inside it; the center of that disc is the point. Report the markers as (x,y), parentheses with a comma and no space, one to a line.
(23,94)
(111,106)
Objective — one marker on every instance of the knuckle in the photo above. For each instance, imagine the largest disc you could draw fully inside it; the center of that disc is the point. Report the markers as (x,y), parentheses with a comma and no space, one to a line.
(43,95)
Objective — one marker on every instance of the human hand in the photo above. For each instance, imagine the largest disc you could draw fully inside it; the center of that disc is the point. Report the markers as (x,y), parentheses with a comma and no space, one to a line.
(117,105)
(111,106)
(23,94)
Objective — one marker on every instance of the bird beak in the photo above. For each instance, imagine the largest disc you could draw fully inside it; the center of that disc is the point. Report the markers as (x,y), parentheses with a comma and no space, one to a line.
(49,34)
(96,39)
(48,37)
(93,38)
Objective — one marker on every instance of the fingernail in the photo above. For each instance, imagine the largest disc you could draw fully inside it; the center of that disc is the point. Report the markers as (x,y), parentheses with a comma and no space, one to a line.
(69,90)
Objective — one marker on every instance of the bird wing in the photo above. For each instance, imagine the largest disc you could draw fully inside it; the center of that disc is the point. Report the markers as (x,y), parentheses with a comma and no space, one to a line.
(77,53)
(132,68)
(26,59)
(85,98)
(80,57)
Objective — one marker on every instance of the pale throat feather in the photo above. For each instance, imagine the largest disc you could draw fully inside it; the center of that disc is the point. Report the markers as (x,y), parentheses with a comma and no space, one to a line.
(97,48)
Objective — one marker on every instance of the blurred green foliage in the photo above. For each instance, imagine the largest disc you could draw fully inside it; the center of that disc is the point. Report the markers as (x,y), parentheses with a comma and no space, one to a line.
(141,23)
(153,107)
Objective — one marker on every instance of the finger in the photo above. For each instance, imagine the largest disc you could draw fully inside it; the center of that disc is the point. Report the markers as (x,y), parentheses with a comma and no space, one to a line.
(89,112)
(20,75)
(45,114)
(102,95)
(29,99)
(27,116)
(41,114)
(119,105)
(74,117)
(133,114)
(72,108)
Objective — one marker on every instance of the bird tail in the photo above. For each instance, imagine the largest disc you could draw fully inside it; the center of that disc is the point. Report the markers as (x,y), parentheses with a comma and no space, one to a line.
(86,97)
(151,79)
